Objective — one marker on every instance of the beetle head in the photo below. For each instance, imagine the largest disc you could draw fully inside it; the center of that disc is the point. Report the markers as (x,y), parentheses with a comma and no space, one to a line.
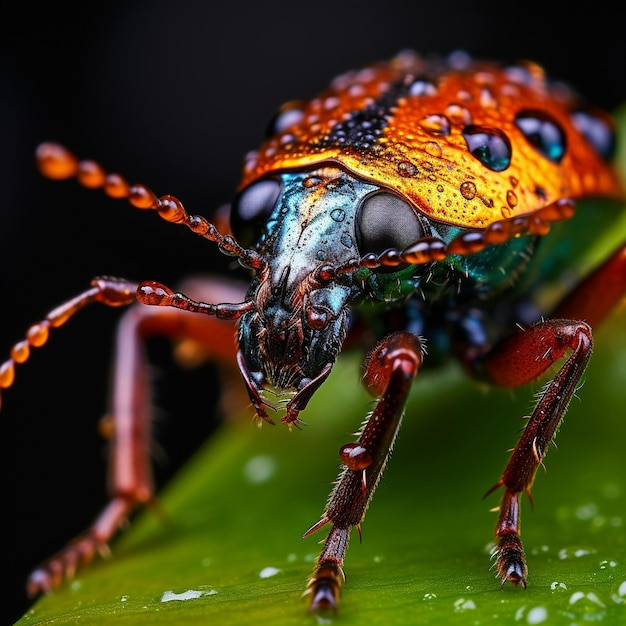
(301,224)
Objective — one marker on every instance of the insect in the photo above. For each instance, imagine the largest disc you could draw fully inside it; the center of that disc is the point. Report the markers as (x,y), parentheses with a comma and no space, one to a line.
(414,209)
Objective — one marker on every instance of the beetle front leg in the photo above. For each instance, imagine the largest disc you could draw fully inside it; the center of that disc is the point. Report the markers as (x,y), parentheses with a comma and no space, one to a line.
(518,360)
(389,373)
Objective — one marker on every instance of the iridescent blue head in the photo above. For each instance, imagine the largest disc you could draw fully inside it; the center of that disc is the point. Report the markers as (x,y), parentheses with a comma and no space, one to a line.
(300,224)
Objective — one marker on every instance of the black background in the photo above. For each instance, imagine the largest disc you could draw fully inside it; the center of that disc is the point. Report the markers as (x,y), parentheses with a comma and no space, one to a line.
(173,95)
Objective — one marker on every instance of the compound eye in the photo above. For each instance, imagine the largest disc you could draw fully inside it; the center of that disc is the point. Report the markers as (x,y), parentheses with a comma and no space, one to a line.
(251,209)
(386,221)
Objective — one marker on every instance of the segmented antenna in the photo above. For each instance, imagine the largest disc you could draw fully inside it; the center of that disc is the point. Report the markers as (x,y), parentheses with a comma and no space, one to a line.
(430,249)
(57,162)
(110,291)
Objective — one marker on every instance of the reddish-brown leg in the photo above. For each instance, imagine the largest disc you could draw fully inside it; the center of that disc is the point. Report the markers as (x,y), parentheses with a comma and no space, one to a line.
(596,296)
(389,374)
(524,357)
(130,472)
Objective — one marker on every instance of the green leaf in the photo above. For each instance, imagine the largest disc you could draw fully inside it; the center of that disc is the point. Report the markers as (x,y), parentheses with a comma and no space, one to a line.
(243,503)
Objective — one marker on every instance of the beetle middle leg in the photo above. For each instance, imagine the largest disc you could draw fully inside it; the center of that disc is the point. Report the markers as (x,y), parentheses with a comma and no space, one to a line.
(524,357)
(128,426)
(390,371)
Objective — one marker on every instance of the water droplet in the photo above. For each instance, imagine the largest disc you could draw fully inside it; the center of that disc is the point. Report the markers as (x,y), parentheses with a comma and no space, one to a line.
(576,596)
(556,586)
(250,161)
(468,190)
(430,596)
(566,553)
(269,152)
(355,456)
(286,139)
(356,90)
(338,215)
(587,511)
(332,102)
(537,615)
(268,572)
(124,598)
(464,605)
(589,598)
(458,114)
(484,78)
(438,125)
(190,594)
(433,148)
(459,59)
(543,133)
(511,198)
(519,75)
(422,87)
(289,115)
(407,169)
(596,131)
(487,99)
(259,469)
(489,145)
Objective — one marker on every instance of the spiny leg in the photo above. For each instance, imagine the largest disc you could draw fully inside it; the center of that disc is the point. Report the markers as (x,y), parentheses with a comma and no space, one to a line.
(517,361)
(390,371)
(524,357)
(110,292)
(128,425)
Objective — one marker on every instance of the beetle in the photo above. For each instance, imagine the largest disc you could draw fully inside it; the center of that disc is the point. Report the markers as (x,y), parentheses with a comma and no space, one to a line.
(413,209)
